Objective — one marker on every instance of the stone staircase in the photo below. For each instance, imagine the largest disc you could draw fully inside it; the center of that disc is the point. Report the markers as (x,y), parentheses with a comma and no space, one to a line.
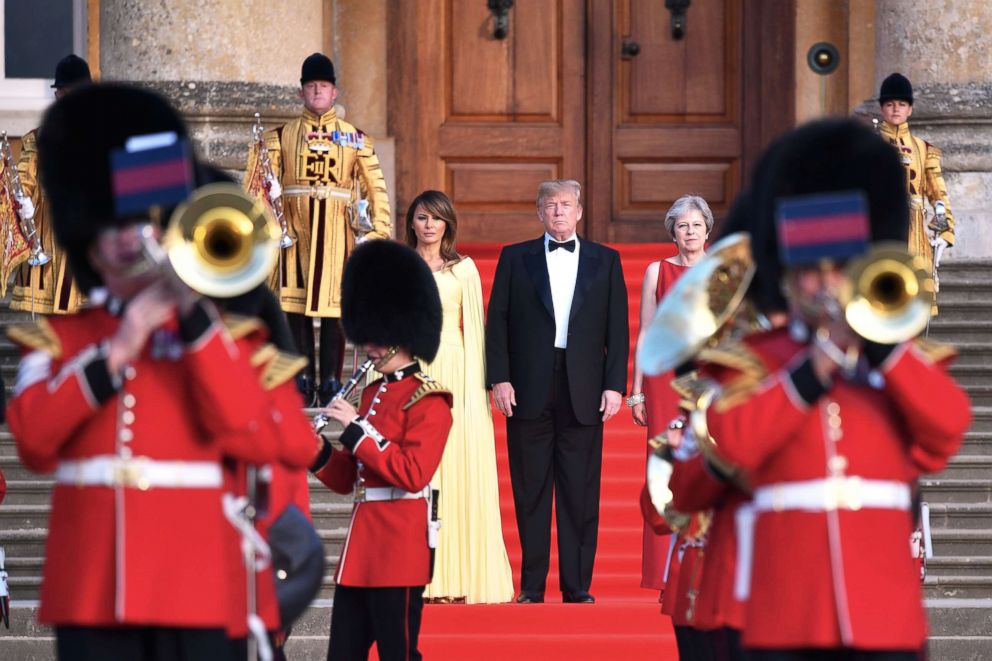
(958,587)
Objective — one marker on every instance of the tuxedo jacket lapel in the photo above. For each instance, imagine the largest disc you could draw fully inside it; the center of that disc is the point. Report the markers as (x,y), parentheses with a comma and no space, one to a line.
(537,269)
(589,260)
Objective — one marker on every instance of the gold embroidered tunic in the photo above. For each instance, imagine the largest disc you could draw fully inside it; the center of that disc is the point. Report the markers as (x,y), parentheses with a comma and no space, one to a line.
(321,163)
(925,183)
(46,289)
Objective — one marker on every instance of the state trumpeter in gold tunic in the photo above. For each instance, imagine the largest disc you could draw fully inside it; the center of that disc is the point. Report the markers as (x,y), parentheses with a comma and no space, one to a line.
(925,183)
(320,161)
(49,288)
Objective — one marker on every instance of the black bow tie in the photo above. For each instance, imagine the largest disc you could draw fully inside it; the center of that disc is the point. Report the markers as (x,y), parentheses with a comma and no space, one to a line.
(567,245)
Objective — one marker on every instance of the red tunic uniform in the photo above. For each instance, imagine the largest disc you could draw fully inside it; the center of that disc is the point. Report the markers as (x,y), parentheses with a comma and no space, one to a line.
(831,470)
(406,424)
(137,534)
(287,484)
(695,488)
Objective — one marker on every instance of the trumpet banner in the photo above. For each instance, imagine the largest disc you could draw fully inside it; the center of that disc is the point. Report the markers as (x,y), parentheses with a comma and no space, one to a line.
(15,247)
(254,185)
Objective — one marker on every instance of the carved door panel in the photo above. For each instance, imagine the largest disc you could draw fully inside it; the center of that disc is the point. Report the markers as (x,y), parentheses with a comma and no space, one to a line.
(487,119)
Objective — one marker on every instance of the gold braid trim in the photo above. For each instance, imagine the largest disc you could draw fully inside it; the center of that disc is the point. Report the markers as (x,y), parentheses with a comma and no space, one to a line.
(751,372)
(239,326)
(280,366)
(427,387)
(936,351)
(39,335)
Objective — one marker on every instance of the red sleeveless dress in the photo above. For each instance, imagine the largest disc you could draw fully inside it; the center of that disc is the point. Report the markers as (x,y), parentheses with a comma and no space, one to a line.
(662,405)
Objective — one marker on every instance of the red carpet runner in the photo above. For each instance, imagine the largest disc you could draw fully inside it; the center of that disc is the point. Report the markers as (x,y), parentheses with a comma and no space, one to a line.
(625,623)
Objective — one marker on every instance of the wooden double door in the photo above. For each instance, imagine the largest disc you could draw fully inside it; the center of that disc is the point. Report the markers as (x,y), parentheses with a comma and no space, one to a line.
(593,90)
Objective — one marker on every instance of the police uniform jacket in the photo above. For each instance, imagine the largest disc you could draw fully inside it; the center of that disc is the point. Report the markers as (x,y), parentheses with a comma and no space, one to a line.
(831,468)
(406,417)
(321,161)
(137,533)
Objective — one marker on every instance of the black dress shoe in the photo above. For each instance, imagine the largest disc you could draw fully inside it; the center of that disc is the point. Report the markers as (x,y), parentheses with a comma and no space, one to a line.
(577,598)
(327,390)
(530,598)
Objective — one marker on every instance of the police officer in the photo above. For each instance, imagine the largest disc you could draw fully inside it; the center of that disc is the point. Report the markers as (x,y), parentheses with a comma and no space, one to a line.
(322,165)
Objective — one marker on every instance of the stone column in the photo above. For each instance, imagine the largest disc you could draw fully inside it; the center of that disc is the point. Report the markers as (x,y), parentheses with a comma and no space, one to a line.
(219,61)
(942,47)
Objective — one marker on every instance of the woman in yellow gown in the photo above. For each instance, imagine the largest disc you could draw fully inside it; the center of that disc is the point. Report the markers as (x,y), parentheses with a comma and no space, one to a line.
(471,564)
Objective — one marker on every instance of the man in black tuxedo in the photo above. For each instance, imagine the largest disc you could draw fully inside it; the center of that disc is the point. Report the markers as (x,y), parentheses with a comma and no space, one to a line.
(556,356)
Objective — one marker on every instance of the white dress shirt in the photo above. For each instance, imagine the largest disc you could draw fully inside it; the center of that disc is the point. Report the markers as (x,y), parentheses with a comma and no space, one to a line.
(563,266)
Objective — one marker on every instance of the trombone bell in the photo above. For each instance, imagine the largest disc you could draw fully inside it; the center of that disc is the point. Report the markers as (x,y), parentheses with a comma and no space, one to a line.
(888,294)
(222,242)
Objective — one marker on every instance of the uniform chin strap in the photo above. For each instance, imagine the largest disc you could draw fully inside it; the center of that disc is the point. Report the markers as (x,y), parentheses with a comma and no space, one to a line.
(256,627)
(253,545)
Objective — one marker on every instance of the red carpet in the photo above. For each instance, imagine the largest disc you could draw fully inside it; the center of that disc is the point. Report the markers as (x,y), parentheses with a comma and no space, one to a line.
(625,623)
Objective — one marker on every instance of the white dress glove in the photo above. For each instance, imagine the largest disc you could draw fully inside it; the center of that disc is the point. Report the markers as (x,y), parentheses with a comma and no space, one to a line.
(939,245)
(25,207)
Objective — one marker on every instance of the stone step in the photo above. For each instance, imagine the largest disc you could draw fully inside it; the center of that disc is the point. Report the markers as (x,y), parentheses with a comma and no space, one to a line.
(959,648)
(967,466)
(940,490)
(959,617)
(949,542)
(981,419)
(955,309)
(957,587)
(958,516)
(960,566)
(973,378)
(973,329)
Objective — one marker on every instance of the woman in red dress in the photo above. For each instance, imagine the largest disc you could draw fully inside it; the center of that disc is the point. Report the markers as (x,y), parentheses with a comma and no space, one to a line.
(653,402)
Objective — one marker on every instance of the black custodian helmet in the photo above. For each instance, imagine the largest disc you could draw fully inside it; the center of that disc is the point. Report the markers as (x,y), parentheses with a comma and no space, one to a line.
(389,297)
(896,88)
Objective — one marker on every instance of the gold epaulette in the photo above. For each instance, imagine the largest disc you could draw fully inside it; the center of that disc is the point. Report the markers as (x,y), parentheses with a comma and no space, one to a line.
(38,335)
(738,357)
(239,325)
(427,386)
(279,366)
(937,352)
(690,387)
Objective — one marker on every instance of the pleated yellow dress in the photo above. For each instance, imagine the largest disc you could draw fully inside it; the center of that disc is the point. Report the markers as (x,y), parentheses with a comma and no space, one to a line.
(471,560)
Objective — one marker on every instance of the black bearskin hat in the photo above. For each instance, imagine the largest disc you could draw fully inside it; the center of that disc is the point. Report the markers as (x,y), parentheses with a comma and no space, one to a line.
(317,67)
(896,87)
(71,70)
(389,297)
(75,141)
(825,156)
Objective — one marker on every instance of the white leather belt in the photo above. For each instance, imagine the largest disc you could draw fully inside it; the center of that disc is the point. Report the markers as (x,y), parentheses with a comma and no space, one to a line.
(394,493)
(318,191)
(826,495)
(833,493)
(139,473)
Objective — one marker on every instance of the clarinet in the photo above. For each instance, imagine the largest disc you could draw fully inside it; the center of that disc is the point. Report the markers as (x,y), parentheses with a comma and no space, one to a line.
(320,420)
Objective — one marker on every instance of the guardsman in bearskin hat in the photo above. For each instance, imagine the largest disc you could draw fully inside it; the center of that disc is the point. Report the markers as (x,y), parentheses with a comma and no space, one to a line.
(924,178)
(134,401)
(832,418)
(46,288)
(323,169)
(392,446)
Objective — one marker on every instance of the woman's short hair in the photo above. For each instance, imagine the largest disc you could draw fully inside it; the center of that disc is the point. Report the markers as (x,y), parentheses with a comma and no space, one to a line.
(549,188)
(438,205)
(684,205)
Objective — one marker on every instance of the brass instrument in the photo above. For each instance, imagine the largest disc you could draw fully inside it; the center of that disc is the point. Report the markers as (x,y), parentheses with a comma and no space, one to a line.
(320,420)
(12,180)
(696,309)
(220,242)
(286,239)
(659,473)
(887,294)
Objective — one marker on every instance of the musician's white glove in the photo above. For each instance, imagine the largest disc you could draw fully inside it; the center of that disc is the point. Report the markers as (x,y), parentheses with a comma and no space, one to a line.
(274,189)
(939,245)
(659,472)
(25,207)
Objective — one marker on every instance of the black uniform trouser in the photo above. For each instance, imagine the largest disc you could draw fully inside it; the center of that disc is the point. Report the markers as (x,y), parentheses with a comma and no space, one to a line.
(142,644)
(331,345)
(693,644)
(554,453)
(839,654)
(388,617)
